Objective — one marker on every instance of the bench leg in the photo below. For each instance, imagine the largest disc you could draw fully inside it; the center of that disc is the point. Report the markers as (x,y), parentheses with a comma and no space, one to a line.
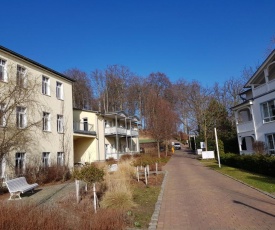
(15,194)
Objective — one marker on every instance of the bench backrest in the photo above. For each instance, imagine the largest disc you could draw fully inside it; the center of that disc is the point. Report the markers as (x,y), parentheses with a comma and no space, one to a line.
(16,184)
(113,168)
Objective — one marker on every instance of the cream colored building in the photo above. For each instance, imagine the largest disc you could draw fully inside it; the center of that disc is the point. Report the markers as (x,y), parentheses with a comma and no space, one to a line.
(99,136)
(35,115)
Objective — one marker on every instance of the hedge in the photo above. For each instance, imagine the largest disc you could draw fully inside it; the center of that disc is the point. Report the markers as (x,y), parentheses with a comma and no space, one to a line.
(262,164)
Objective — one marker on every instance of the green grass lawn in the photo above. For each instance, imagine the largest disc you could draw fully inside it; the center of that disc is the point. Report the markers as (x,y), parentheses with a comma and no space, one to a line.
(261,182)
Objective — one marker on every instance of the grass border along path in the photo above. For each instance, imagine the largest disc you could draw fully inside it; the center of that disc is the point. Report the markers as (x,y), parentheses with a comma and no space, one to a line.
(265,184)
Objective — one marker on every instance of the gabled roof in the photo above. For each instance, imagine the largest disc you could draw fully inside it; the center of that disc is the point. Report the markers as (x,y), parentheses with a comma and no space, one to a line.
(260,69)
(34,62)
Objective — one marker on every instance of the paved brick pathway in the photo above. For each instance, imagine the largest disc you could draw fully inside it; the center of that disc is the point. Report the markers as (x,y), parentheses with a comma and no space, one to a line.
(196,197)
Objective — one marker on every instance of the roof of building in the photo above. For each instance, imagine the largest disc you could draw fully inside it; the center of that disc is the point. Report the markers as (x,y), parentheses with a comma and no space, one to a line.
(260,69)
(34,63)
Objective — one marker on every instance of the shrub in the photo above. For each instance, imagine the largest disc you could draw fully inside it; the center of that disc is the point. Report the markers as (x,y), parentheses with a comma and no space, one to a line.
(262,164)
(111,161)
(125,157)
(118,190)
(144,160)
(259,147)
(42,175)
(90,174)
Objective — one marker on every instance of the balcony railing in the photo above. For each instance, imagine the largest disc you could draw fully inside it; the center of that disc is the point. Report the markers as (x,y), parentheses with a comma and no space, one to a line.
(245,127)
(120,131)
(115,130)
(132,132)
(84,128)
(264,88)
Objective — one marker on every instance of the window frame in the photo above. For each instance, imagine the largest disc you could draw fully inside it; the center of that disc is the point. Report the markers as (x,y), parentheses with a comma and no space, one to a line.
(270,149)
(46,122)
(21,76)
(60,123)
(2,167)
(60,161)
(46,159)
(20,162)
(46,85)
(3,70)
(21,117)
(59,90)
(268,111)
(2,115)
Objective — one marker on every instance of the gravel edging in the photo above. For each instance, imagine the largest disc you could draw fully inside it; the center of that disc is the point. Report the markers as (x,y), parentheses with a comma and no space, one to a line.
(154,219)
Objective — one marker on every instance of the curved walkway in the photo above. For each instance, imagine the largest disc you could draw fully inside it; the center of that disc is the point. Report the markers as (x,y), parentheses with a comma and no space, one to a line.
(197,197)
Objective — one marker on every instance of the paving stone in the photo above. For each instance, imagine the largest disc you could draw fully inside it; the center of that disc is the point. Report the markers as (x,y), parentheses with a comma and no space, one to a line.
(196,197)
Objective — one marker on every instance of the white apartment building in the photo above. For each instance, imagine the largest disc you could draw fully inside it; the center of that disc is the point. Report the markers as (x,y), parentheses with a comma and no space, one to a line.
(35,115)
(255,117)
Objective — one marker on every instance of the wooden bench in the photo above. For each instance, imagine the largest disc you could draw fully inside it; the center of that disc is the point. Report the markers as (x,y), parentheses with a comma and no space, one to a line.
(19,185)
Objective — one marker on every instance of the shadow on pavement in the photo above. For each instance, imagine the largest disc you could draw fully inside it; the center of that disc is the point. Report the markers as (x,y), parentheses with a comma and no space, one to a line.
(249,206)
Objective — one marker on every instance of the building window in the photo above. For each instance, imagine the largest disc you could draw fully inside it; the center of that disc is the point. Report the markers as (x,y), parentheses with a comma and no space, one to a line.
(46,122)
(59,90)
(20,159)
(21,77)
(21,117)
(85,124)
(2,115)
(3,71)
(45,85)
(2,167)
(46,159)
(268,111)
(60,124)
(270,143)
(60,158)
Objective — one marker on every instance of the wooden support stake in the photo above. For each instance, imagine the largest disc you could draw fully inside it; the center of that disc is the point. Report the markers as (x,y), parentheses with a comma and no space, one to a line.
(77,191)
(137,174)
(156,167)
(145,173)
(148,170)
(95,201)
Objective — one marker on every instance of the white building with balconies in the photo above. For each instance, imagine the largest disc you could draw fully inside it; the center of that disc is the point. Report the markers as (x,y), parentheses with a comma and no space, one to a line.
(99,136)
(255,117)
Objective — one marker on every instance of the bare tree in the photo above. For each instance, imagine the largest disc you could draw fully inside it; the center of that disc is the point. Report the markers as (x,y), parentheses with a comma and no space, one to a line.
(112,87)
(19,106)
(82,89)
(160,120)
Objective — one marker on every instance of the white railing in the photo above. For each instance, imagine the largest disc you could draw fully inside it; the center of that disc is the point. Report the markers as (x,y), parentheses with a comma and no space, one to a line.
(245,127)
(115,130)
(271,84)
(132,132)
(260,90)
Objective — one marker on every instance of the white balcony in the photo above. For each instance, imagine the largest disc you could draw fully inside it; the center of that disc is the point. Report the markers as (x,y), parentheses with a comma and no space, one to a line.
(245,127)
(260,90)
(132,132)
(115,130)
(264,88)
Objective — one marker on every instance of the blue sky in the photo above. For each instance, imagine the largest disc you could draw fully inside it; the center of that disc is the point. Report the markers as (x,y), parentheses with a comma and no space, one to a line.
(208,41)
